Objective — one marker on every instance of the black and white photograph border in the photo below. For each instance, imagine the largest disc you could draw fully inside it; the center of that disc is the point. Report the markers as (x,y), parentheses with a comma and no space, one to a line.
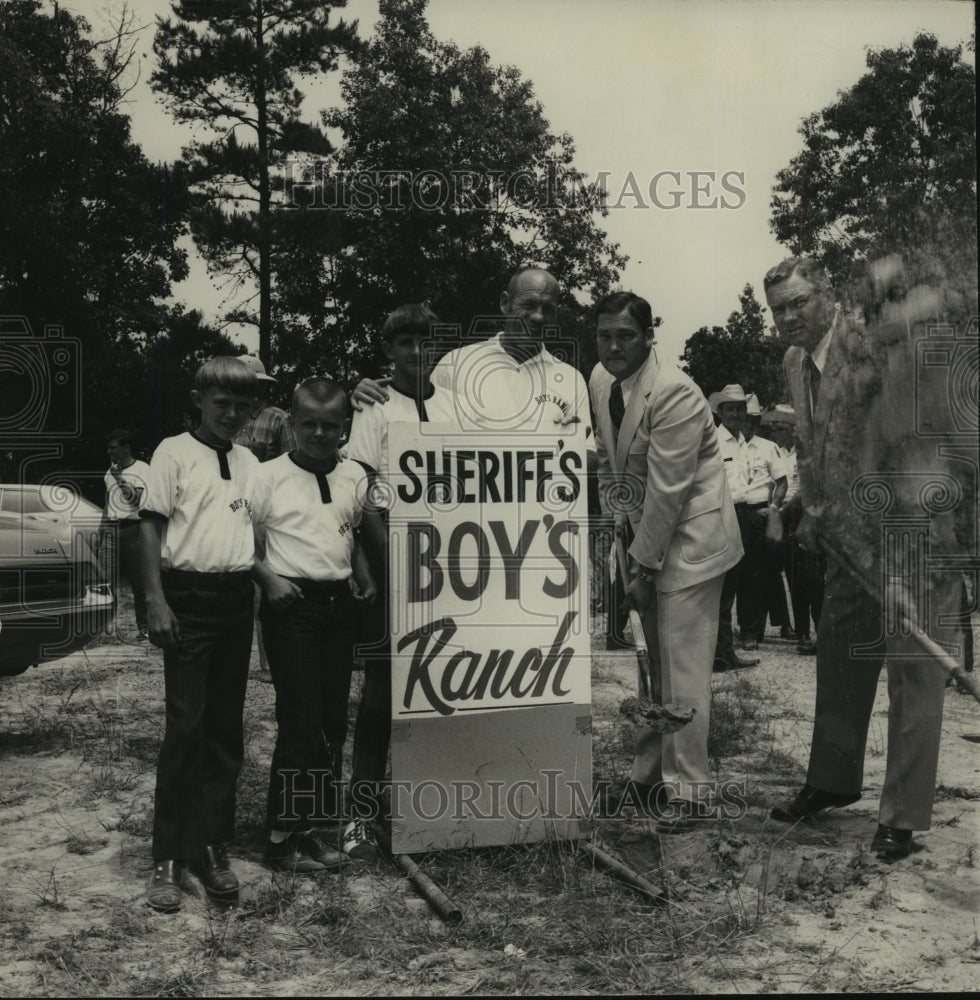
(684,113)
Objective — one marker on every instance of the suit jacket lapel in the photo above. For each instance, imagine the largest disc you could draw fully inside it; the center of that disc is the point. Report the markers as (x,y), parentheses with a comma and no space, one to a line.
(636,408)
(801,400)
(605,428)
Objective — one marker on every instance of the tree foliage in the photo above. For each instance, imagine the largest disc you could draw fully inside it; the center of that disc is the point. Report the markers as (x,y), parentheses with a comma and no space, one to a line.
(741,351)
(88,227)
(890,167)
(448,178)
(84,238)
(232,65)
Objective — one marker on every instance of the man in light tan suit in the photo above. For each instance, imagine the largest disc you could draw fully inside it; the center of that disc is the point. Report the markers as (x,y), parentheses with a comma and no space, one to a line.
(660,469)
(872,462)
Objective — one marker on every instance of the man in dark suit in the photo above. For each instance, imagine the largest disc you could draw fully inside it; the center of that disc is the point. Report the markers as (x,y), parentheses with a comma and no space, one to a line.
(660,470)
(863,468)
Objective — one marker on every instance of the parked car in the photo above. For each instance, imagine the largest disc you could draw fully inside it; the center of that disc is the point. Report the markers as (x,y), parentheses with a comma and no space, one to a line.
(59,507)
(53,597)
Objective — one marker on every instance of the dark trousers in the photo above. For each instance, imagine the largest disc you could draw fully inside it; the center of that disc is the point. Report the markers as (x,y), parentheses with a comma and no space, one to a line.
(205,676)
(725,645)
(119,549)
(310,649)
(775,586)
(130,568)
(854,642)
(372,728)
(753,592)
(745,581)
(805,573)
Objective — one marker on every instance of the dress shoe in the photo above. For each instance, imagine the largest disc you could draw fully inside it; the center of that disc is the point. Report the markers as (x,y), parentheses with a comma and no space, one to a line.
(732,661)
(892,844)
(809,802)
(751,644)
(215,875)
(806,647)
(787,633)
(304,854)
(163,892)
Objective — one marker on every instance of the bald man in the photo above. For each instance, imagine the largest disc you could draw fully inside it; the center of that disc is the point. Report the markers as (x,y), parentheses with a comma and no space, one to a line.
(510,382)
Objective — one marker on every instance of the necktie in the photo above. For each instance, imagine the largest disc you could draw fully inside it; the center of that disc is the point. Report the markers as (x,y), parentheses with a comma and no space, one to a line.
(813,381)
(616,405)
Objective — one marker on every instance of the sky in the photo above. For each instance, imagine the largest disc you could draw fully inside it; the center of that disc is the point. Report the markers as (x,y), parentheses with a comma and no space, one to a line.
(717,88)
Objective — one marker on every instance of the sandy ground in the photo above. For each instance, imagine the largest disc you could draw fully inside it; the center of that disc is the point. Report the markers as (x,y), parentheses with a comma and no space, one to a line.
(811,909)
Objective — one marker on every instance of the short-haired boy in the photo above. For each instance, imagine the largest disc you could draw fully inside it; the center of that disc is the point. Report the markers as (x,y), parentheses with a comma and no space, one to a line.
(197,555)
(307,507)
(412,399)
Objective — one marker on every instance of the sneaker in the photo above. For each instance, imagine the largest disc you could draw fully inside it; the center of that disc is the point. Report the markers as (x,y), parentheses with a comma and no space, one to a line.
(302,853)
(359,842)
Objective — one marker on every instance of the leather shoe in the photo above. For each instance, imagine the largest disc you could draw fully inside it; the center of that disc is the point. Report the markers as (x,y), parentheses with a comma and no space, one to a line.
(215,875)
(751,644)
(303,854)
(732,661)
(807,647)
(808,803)
(892,844)
(786,633)
(163,892)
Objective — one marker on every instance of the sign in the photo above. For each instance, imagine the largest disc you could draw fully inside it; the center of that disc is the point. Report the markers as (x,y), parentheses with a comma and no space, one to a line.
(490,645)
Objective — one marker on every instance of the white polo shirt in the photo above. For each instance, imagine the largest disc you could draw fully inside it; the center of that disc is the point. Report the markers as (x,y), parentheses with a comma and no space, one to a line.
(369,431)
(765,466)
(117,508)
(307,536)
(736,466)
(496,393)
(209,519)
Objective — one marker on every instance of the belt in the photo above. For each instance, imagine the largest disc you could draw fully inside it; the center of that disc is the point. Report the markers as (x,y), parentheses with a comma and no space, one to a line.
(122,522)
(751,506)
(321,589)
(218,579)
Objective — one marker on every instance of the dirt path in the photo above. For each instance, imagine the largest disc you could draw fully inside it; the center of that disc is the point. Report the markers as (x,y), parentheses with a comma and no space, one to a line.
(756,906)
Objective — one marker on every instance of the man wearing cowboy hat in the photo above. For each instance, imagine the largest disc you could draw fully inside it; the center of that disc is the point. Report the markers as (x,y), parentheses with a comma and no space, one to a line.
(729,406)
(266,433)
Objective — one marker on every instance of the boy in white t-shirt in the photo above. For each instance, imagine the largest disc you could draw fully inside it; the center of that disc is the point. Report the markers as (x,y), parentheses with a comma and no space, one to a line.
(307,506)
(412,399)
(125,483)
(197,552)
